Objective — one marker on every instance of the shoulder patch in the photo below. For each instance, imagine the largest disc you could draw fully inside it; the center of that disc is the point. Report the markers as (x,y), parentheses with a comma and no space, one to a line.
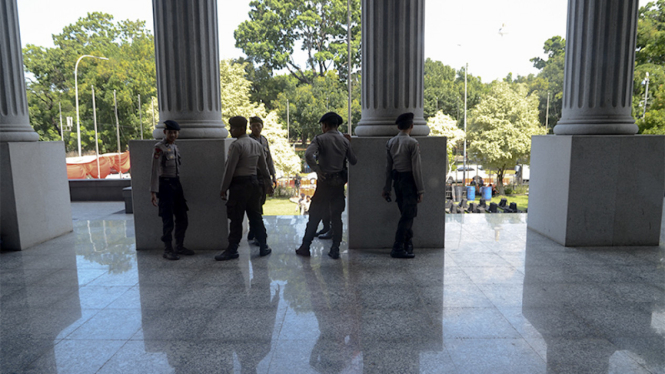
(157,152)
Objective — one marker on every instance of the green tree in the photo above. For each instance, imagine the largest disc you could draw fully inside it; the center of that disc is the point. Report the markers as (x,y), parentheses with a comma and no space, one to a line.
(319,27)
(130,71)
(501,128)
(549,81)
(650,58)
(308,102)
(444,90)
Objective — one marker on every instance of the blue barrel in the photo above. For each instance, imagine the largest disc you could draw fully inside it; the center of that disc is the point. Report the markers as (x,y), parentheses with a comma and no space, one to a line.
(471,193)
(486,192)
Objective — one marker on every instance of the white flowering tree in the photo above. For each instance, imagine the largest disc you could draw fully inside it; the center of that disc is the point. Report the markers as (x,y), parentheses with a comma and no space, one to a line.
(235,102)
(444,125)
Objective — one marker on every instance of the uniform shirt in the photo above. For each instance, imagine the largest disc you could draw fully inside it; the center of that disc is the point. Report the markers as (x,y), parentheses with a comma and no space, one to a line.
(403,155)
(165,163)
(245,158)
(330,149)
(266,149)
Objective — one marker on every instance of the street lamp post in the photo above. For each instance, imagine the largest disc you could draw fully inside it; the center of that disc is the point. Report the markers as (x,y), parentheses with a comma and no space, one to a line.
(76,86)
(466,67)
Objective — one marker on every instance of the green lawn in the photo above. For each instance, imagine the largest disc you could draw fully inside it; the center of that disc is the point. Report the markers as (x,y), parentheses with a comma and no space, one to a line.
(279,206)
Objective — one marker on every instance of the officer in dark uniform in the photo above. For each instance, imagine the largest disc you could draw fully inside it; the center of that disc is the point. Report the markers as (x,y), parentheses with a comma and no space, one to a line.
(327,155)
(165,187)
(256,126)
(404,171)
(246,161)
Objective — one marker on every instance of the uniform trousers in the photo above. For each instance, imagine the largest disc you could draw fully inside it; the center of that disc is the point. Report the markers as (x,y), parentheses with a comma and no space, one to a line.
(245,197)
(250,234)
(407,201)
(172,203)
(328,201)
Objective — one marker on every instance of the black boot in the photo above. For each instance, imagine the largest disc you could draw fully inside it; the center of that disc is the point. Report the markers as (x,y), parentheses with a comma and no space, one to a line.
(334,252)
(169,254)
(230,254)
(399,252)
(181,250)
(303,251)
(264,250)
(408,247)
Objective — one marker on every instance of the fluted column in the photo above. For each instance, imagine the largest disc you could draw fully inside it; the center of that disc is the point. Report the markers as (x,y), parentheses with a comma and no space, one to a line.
(393,65)
(187,58)
(14,120)
(598,77)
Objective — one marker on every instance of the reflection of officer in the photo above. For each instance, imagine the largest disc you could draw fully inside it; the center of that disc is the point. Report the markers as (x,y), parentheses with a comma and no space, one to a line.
(165,186)
(326,155)
(245,158)
(403,168)
(256,125)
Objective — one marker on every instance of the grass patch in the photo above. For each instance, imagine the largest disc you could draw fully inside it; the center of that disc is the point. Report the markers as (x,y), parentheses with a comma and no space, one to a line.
(279,206)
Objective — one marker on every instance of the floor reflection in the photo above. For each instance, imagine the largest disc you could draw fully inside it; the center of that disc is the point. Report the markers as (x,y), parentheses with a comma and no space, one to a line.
(595,308)
(498,299)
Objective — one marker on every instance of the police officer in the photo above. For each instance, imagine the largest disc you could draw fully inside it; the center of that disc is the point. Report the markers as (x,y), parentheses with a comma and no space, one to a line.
(327,155)
(246,161)
(256,126)
(165,187)
(404,171)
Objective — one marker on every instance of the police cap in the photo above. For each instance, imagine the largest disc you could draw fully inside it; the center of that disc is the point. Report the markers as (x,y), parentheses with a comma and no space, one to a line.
(332,119)
(404,120)
(171,125)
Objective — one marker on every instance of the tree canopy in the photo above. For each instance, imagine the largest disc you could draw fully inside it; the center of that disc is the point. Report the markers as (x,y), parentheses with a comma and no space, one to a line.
(501,128)
(130,71)
(318,27)
(650,58)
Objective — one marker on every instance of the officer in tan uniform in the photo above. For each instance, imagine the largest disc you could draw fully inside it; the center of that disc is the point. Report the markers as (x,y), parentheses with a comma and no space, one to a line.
(327,156)
(166,191)
(246,161)
(256,126)
(404,171)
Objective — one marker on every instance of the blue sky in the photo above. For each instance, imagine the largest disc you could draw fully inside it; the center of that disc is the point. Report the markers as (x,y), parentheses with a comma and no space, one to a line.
(456,32)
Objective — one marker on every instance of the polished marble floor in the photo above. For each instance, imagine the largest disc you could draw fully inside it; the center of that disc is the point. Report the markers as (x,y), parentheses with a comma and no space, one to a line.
(498,299)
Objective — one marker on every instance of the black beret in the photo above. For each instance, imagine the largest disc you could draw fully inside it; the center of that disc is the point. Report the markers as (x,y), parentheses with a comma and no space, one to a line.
(405,118)
(331,118)
(255,119)
(171,125)
(238,121)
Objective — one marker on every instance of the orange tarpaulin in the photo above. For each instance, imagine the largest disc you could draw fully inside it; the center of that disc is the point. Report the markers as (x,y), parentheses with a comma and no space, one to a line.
(81,167)
(118,163)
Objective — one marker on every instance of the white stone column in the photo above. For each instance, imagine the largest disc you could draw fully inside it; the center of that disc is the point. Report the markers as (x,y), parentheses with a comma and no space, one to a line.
(598,78)
(187,58)
(393,65)
(14,120)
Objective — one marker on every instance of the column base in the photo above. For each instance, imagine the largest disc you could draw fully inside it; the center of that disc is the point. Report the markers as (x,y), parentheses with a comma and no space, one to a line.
(593,129)
(373,221)
(597,190)
(201,177)
(35,193)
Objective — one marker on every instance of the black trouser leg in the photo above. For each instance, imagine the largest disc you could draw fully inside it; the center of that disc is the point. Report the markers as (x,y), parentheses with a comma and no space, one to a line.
(181,220)
(319,207)
(165,196)
(336,207)
(235,210)
(407,201)
(254,214)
